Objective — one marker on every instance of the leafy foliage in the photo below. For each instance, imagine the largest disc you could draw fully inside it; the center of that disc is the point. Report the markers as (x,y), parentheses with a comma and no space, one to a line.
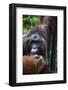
(29,21)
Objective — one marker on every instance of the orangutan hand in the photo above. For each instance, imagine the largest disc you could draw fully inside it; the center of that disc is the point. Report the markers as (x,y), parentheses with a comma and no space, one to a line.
(33,64)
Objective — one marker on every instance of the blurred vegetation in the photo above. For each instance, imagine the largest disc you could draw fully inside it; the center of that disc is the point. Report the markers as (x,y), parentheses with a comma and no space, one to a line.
(29,21)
